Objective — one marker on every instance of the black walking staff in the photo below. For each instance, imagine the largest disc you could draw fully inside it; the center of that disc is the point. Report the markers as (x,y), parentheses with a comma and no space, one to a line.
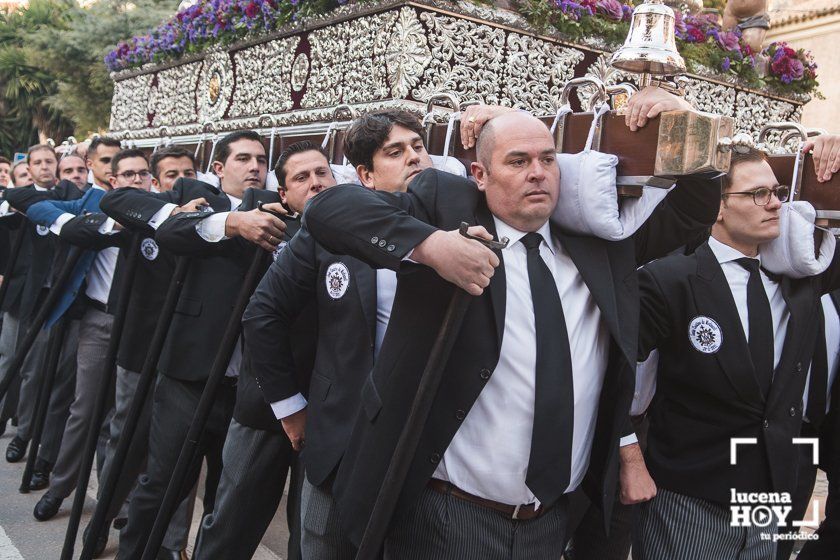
(40,318)
(49,370)
(217,372)
(147,378)
(389,492)
(102,398)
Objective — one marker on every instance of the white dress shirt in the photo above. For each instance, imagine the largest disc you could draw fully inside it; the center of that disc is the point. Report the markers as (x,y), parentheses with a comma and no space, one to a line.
(737,277)
(488,456)
(212,228)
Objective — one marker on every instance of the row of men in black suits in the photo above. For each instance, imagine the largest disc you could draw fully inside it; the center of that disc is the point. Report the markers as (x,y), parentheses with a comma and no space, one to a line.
(478,450)
(475,462)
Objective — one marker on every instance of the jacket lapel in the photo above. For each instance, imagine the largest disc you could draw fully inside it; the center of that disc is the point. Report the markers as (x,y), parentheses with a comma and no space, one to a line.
(498,287)
(593,262)
(365,278)
(713,299)
(800,306)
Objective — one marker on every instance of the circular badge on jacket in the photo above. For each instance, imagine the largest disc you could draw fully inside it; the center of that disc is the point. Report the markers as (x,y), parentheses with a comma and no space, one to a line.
(337,279)
(42,230)
(149,249)
(705,334)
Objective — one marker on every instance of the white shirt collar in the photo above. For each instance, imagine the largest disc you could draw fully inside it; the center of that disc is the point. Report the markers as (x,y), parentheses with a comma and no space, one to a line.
(724,253)
(95,186)
(514,235)
(40,188)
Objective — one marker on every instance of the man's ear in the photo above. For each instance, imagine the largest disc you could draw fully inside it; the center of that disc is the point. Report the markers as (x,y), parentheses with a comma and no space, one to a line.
(155,183)
(219,169)
(282,192)
(479,174)
(719,219)
(113,180)
(365,176)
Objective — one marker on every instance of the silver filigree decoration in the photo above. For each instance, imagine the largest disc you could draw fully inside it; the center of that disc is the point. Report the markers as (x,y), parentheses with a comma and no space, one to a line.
(172,101)
(406,52)
(263,78)
(129,104)
(711,97)
(467,59)
(535,72)
(300,71)
(215,86)
(753,111)
(607,74)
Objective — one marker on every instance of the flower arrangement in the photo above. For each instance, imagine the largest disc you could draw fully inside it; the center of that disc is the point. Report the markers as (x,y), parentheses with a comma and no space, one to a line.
(700,39)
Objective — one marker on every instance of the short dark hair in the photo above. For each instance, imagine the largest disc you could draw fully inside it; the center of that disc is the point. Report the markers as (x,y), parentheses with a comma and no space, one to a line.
(5,160)
(369,132)
(38,148)
(126,154)
(293,150)
(223,147)
(169,152)
(749,156)
(102,141)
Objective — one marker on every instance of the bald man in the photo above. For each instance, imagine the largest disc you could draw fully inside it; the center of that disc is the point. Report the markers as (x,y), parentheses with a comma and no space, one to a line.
(505,442)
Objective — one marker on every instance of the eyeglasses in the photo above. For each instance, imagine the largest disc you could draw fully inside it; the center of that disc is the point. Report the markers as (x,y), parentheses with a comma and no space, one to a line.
(762,196)
(130,175)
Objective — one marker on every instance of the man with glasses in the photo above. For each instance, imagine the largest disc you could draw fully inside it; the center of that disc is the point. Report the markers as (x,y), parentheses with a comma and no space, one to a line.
(95,271)
(735,343)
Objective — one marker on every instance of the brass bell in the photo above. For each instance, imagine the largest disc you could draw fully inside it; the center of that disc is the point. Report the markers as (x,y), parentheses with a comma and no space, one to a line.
(650,47)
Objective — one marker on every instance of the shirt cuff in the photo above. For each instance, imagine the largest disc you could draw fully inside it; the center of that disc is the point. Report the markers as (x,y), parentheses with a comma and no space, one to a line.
(60,221)
(5,209)
(107,227)
(162,215)
(212,228)
(629,439)
(289,406)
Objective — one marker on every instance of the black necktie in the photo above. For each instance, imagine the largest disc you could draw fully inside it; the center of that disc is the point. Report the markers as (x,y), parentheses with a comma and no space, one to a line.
(760,325)
(549,464)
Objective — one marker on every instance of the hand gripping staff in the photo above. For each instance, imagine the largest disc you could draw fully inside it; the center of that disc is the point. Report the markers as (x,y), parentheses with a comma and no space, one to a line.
(389,492)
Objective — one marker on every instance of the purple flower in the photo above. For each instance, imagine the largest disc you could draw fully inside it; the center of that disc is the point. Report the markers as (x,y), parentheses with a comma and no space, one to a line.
(728,40)
(725,64)
(610,8)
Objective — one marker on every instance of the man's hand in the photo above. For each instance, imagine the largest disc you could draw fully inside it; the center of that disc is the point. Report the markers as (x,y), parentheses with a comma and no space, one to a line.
(261,228)
(826,152)
(295,428)
(636,484)
(474,117)
(191,206)
(465,262)
(649,103)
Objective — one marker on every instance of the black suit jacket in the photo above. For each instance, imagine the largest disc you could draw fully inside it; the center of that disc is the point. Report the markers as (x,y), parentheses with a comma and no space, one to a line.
(703,399)
(251,408)
(152,275)
(381,229)
(295,287)
(830,428)
(40,255)
(215,278)
(133,209)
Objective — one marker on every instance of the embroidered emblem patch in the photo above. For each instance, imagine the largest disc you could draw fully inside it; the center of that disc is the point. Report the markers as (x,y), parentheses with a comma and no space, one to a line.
(705,334)
(278,250)
(42,230)
(337,278)
(149,249)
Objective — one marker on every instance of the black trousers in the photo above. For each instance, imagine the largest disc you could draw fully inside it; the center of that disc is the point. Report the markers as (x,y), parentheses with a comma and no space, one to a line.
(173,407)
(255,464)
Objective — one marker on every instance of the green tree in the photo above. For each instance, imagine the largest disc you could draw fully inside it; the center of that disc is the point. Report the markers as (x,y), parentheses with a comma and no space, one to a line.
(25,113)
(74,55)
